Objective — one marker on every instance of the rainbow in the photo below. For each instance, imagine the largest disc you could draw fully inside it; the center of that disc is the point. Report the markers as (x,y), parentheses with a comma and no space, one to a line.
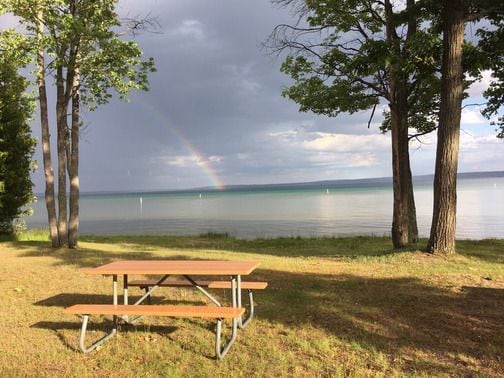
(201,161)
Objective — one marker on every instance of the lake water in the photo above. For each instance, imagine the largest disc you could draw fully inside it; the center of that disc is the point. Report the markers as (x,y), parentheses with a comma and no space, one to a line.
(283,212)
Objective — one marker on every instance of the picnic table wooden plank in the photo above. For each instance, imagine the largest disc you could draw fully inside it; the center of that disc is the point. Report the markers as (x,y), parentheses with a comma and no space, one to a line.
(178,267)
(252,285)
(182,311)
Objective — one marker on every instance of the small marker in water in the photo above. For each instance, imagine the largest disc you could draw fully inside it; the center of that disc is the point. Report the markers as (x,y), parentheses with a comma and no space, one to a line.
(327,191)
(200,195)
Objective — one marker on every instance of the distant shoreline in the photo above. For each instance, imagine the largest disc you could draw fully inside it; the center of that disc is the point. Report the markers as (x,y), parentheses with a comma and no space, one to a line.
(377,182)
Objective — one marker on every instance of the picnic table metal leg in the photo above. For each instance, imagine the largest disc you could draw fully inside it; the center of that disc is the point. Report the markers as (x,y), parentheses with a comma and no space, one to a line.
(206,293)
(125,288)
(82,337)
(221,352)
(114,289)
(149,292)
(125,294)
(243,323)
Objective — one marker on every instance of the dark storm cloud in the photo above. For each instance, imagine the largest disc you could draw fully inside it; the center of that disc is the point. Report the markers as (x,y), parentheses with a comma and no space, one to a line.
(215,110)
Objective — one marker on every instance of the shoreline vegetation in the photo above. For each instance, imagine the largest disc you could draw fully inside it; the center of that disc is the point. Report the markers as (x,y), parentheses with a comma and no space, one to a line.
(334,307)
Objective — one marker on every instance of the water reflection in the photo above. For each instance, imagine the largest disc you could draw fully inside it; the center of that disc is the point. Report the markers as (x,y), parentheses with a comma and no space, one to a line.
(287,213)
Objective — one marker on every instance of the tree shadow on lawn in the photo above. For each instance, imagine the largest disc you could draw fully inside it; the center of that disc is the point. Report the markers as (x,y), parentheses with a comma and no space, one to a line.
(103,326)
(92,257)
(431,329)
(490,250)
(142,246)
(329,247)
(401,317)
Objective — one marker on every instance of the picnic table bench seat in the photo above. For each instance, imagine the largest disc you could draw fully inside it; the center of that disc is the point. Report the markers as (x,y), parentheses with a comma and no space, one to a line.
(159,310)
(249,285)
(215,312)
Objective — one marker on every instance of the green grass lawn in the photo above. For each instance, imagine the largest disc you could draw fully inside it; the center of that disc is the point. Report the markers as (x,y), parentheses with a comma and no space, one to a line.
(334,307)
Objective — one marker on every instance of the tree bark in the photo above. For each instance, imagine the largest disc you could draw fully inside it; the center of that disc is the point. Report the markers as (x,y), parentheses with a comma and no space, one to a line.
(401,174)
(408,177)
(412,218)
(442,235)
(61,121)
(74,164)
(404,216)
(46,138)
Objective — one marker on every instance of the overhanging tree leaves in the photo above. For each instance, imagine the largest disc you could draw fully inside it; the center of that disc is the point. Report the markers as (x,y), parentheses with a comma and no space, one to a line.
(353,54)
(88,61)
(16,143)
(492,45)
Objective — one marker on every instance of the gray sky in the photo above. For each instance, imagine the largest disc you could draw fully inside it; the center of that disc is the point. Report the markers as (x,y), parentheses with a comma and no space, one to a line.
(215,115)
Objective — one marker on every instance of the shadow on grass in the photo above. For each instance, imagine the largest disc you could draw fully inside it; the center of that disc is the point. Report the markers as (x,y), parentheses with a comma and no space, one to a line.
(104,327)
(393,316)
(329,247)
(92,257)
(490,250)
(432,329)
(69,299)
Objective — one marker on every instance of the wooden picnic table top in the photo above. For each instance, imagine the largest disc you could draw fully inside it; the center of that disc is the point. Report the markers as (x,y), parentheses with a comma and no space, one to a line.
(178,267)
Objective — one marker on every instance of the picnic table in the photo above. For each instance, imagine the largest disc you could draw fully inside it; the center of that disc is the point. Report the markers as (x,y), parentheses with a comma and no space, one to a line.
(187,269)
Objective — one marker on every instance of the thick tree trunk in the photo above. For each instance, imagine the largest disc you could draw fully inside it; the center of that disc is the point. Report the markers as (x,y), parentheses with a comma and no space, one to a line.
(46,138)
(412,218)
(61,120)
(74,165)
(442,235)
(400,211)
(404,229)
(408,177)
(401,174)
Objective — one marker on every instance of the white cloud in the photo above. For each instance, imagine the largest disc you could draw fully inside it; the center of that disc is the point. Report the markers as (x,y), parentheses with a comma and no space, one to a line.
(347,143)
(190,29)
(479,142)
(215,159)
(477,88)
(472,116)
(180,161)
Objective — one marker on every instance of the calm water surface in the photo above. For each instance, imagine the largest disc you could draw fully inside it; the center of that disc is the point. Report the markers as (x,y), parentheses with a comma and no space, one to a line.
(342,211)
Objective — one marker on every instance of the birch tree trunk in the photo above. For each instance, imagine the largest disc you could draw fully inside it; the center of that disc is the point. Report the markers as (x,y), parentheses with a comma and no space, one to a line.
(442,235)
(46,138)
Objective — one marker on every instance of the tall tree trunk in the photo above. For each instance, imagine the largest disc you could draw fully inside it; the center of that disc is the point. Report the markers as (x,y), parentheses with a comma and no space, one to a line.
(74,164)
(412,218)
(62,140)
(442,235)
(399,133)
(46,138)
(408,177)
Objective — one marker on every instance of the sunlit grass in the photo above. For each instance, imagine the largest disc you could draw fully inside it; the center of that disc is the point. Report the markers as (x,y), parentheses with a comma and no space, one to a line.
(334,307)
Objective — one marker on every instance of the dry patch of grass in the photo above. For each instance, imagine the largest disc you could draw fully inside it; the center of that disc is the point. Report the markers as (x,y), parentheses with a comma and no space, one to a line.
(334,307)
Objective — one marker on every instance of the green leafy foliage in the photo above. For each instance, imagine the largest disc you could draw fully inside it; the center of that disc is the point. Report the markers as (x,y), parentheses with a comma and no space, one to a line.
(340,61)
(492,44)
(16,143)
(88,36)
